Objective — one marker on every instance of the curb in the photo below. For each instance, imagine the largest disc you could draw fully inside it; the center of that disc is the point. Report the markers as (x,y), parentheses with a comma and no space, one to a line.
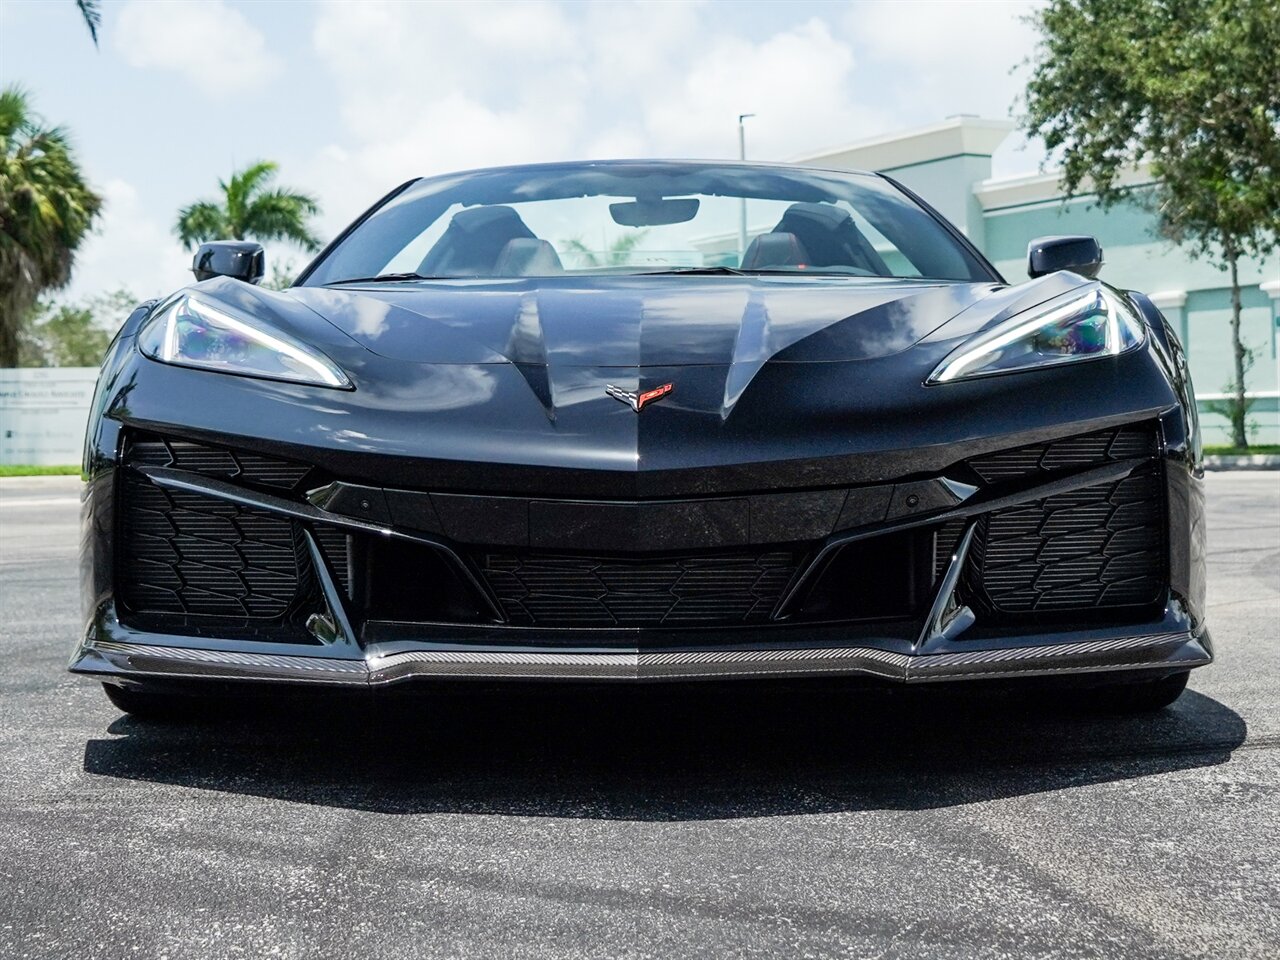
(1254,461)
(47,481)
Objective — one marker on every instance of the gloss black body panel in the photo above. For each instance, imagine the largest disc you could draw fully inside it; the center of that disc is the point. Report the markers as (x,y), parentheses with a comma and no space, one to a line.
(479,429)
(820,409)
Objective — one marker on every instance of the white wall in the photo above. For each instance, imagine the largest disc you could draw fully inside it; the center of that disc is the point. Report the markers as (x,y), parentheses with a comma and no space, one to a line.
(43,413)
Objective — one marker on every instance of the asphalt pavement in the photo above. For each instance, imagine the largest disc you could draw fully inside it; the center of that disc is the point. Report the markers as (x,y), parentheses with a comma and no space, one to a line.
(810,819)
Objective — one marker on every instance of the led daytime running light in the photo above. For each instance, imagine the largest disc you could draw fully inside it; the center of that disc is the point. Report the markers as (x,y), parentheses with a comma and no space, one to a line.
(194,333)
(322,370)
(970,359)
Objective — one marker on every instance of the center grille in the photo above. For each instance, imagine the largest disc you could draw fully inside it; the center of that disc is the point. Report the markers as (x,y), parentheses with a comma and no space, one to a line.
(695,591)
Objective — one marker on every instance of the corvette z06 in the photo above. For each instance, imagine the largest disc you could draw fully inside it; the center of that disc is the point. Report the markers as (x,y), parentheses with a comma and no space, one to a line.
(643,420)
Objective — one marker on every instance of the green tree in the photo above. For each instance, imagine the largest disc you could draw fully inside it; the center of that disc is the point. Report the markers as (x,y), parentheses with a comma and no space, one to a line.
(46,211)
(1191,87)
(250,208)
(281,275)
(616,256)
(91,10)
(73,334)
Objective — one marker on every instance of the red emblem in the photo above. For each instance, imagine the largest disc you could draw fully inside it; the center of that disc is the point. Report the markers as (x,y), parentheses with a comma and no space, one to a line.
(637,401)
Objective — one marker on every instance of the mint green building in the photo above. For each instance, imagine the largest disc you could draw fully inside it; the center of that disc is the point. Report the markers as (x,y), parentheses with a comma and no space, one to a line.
(949,164)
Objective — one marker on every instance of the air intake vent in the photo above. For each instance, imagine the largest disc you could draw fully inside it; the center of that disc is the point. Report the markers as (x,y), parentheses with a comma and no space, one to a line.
(335,545)
(698,591)
(236,465)
(1101,547)
(946,540)
(182,553)
(1131,442)
(202,565)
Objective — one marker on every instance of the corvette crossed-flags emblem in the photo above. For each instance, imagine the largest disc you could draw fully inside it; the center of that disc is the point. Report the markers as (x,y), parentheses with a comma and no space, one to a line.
(638,401)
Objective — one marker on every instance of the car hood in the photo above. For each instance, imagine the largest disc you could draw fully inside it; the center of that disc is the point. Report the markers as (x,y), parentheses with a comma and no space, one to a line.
(640,322)
(775,382)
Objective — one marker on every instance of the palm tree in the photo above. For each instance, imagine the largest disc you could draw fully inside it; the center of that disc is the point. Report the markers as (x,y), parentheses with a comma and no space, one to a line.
(90,10)
(250,209)
(46,210)
(616,256)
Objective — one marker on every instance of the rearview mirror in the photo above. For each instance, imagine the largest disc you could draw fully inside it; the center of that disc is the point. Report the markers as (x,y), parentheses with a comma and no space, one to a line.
(653,213)
(241,259)
(1082,255)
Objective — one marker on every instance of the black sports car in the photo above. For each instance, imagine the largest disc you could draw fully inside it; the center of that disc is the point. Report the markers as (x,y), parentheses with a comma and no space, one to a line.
(645,420)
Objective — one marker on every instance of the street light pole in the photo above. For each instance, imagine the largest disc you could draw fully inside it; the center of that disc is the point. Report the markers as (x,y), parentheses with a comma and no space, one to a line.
(742,203)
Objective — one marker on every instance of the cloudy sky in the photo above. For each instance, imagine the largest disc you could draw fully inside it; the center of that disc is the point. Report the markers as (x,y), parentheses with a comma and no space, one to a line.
(352,97)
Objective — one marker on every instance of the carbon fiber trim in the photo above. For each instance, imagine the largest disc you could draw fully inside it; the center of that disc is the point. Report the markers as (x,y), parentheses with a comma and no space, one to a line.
(640,666)
(529,666)
(1167,650)
(145,659)
(1085,657)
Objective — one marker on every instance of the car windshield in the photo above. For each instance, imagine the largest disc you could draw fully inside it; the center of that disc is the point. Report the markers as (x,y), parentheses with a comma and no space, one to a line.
(636,218)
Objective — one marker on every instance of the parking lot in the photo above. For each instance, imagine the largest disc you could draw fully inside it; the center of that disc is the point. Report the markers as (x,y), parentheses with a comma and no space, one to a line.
(744,820)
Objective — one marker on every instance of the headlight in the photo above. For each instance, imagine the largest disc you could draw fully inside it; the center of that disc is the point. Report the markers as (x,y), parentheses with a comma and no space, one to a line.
(1081,327)
(193,333)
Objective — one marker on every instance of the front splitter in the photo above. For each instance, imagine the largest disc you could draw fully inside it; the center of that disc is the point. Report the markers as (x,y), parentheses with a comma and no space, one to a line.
(1167,651)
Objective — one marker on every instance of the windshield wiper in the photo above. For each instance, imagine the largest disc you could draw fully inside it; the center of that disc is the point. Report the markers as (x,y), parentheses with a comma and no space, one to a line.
(712,271)
(739,272)
(384,278)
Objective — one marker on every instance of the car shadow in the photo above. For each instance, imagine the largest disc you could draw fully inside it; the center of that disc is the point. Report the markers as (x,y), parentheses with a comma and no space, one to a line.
(685,752)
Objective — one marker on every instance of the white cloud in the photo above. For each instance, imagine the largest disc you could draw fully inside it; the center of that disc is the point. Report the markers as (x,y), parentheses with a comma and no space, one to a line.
(800,84)
(129,250)
(426,88)
(392,90)
(954,57)
(208,42)
(636,50)
(396,61)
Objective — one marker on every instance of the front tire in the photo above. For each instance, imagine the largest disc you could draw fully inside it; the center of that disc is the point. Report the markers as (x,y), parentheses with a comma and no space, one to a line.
(1140,696)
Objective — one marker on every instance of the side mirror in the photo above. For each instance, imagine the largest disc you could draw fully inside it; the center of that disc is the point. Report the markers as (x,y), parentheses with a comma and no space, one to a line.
(241,259)
(1082,255)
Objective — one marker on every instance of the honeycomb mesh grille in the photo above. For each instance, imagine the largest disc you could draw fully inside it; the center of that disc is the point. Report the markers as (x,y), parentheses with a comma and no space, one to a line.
(183,553)
(554,591)
(1100,547)
(1134,441)
(235,465)
(214,565)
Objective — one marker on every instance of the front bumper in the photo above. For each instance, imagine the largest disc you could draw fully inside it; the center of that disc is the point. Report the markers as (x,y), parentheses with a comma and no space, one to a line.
(139,660)
(954,632)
